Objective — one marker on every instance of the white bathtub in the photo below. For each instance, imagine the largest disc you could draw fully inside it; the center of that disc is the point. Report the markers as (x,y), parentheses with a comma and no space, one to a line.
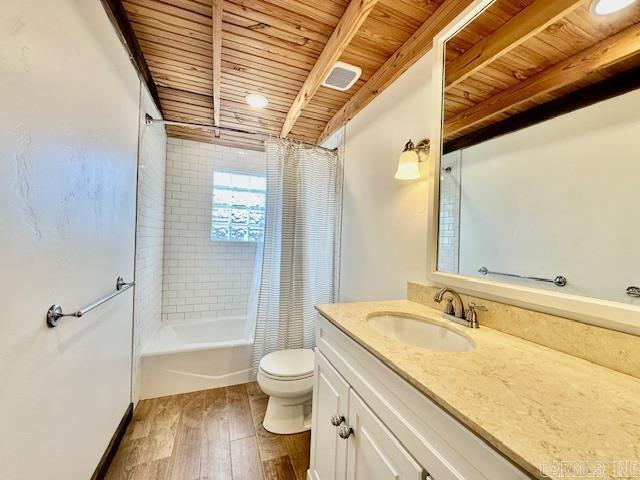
(198,355)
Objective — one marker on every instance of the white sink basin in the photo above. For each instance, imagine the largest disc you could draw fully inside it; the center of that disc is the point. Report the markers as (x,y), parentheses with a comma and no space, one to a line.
(420,333)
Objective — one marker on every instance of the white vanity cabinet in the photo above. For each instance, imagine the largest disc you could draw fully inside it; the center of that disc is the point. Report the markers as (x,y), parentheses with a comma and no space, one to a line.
(364,448)
(370,424)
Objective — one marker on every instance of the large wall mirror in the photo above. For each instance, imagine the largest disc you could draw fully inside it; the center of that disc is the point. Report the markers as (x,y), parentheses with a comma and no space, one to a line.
(538,165)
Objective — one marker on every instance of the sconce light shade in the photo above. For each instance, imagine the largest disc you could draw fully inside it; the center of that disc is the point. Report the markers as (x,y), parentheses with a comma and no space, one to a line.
(409,161)
(408,168)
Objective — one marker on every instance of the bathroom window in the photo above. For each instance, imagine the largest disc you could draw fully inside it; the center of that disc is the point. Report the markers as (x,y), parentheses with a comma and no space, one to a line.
(238,208)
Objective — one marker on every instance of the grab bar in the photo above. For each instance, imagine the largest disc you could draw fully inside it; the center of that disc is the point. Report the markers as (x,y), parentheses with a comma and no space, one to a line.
(559,281)
(54,314)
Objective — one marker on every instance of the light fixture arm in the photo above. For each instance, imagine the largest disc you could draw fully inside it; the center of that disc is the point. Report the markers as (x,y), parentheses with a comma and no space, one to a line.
(423,146)
(408,146)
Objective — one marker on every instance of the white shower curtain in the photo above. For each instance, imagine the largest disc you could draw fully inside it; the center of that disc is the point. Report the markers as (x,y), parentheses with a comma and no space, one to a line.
(300,242)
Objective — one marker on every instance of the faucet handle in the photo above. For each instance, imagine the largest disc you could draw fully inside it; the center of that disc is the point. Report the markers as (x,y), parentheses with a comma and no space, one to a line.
(480,308)
(471,316)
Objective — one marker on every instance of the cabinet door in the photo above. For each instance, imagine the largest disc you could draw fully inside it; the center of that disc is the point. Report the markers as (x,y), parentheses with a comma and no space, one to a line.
(330,398)
(374,453)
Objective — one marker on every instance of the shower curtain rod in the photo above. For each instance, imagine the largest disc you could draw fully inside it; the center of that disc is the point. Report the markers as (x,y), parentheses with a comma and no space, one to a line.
(148,119)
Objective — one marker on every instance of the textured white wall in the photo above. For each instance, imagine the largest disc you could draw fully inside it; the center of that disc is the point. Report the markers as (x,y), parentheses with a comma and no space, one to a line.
(68,147)
(152,158)
(203,279)
(558,198)
(384,224)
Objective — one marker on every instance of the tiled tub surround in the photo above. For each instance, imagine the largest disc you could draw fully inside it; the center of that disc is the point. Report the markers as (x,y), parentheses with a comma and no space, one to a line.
(203,279)
(608,348)
(149,233)
(533,404)
(205,339)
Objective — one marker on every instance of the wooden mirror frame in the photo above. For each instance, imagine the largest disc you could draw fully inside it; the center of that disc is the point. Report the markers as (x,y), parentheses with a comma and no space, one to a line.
(604,313)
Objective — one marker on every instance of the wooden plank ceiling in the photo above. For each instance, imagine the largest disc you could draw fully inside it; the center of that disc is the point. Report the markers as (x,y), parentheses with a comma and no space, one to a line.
(276,47)
(519,54)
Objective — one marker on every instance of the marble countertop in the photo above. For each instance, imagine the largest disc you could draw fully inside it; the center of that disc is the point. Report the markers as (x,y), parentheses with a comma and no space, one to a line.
(535,405)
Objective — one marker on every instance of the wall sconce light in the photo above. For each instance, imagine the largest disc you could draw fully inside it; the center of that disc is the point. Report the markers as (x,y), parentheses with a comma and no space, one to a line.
(410,159)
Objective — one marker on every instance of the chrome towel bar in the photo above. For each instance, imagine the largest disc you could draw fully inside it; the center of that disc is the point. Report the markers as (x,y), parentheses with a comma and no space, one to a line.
(54,314)
(559,281)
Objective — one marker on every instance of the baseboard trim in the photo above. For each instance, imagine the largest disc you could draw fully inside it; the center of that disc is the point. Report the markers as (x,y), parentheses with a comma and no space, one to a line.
(112,448)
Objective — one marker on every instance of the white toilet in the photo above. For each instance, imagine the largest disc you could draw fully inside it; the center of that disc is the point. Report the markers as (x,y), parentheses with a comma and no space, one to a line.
(287,377)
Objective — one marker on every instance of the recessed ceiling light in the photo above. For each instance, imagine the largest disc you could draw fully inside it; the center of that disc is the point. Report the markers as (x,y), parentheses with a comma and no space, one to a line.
(607,7)
(256,100)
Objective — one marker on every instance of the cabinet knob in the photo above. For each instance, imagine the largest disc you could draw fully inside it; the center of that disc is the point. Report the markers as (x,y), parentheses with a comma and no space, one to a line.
(337,420)
(345,432)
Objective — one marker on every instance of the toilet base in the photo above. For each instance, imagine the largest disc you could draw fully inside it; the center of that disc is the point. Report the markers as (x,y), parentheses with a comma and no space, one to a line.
(288,415)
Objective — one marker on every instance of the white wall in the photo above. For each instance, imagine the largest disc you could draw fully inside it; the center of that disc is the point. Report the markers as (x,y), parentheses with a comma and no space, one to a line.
(560,197)
(68,147)
(152,158)
(203,279)
(384,224)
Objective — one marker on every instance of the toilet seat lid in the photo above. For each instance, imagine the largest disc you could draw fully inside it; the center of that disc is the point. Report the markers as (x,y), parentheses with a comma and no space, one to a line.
(288,363)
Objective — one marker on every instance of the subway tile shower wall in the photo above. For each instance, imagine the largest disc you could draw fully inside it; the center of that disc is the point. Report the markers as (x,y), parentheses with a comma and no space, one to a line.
(203,279)
(449,228)
(149,234)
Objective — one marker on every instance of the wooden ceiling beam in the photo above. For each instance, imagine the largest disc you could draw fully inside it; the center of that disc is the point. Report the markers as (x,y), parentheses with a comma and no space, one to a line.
(409,53)
(216,17)
(526,24)
(117,14)
(353,18)
(601,55)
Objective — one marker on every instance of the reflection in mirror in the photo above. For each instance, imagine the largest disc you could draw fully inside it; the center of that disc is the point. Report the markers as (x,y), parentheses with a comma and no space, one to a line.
(540,177)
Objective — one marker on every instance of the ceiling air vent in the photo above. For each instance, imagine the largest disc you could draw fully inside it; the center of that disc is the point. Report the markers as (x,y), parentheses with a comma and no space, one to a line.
(342,76)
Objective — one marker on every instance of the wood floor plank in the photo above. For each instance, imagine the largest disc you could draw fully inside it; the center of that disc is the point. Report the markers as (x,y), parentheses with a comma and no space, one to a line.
(190,429)
(239,413)
(155,470)
(271,446)
(142,420)
(216,448)
(299,449)
(279,469)
(185,463)
(160,441)
(186,454)
(125,460)
(245,459)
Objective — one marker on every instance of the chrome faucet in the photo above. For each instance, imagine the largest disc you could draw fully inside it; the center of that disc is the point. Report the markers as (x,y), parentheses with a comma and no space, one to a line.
(458,307)
(454,308)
